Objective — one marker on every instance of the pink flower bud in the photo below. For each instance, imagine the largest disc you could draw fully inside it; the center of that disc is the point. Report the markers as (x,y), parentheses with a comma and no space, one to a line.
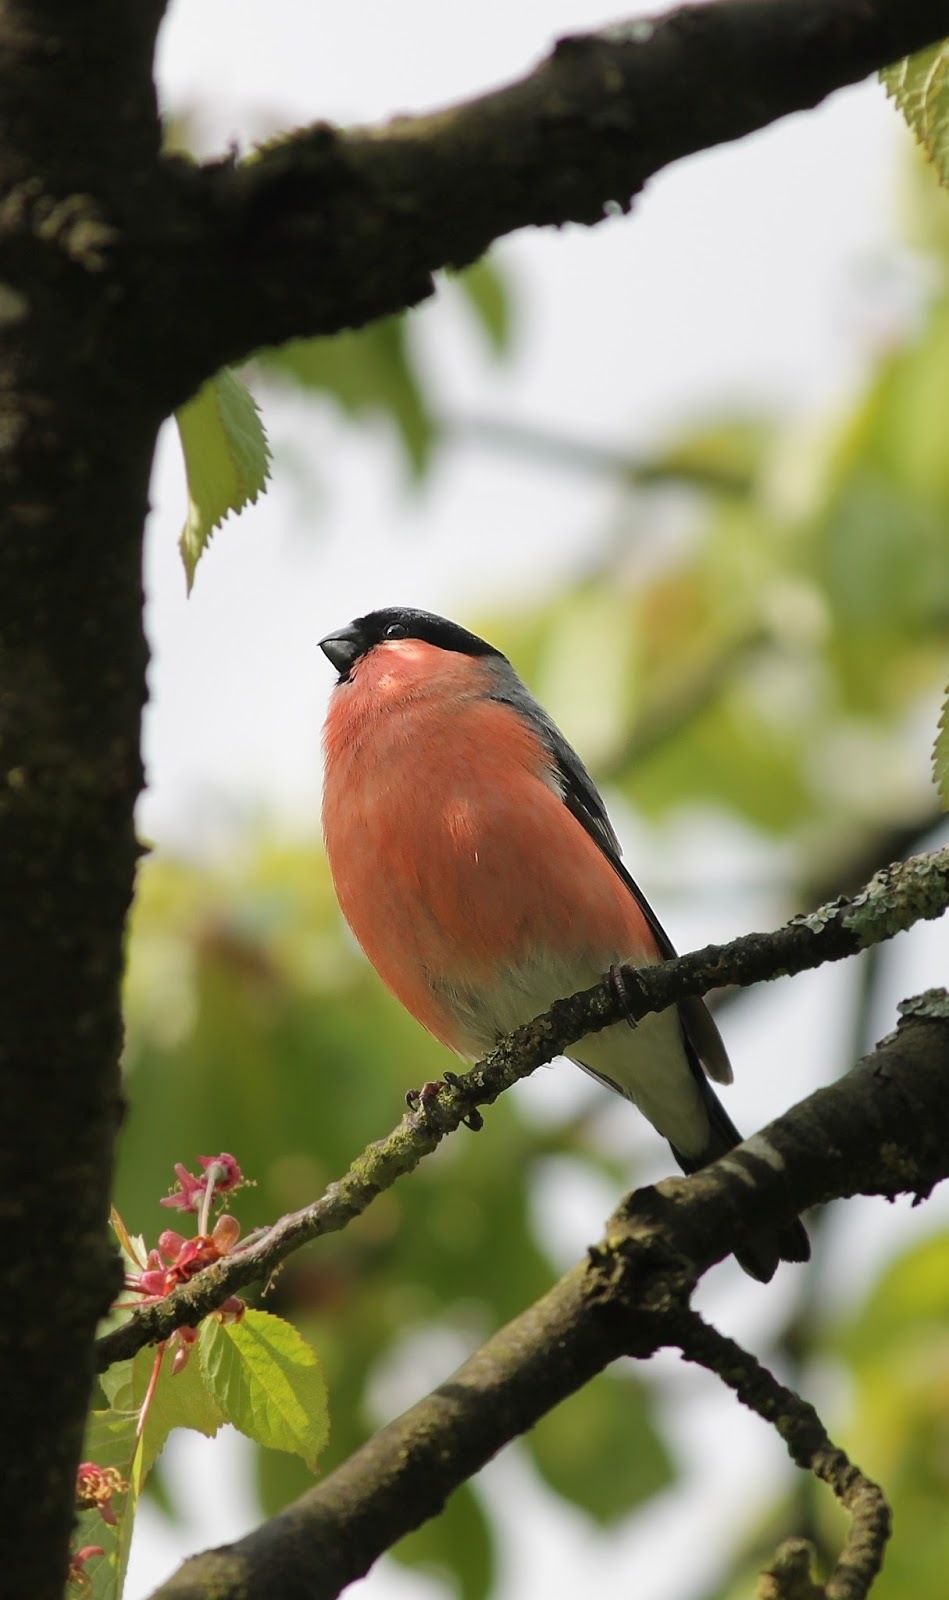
(230,1174)
(225,1233)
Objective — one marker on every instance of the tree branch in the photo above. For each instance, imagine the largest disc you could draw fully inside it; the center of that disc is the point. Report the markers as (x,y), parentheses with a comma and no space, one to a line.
(564,452)
(883,1129)
(893,900)
(809,1447)
(337,227)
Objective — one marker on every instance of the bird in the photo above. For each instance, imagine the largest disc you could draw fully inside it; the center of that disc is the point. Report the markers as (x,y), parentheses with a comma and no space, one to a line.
(475,863)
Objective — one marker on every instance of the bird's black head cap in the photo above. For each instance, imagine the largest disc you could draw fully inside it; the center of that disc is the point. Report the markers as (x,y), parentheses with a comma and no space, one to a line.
(345,646)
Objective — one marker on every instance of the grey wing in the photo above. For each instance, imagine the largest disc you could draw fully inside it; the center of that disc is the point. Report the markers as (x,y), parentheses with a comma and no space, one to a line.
(583,799)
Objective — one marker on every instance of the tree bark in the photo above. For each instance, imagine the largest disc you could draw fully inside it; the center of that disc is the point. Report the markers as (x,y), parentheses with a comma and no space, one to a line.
(77,428)
(332,228)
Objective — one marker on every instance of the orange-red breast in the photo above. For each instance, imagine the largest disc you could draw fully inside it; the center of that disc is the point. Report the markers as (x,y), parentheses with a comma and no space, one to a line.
(476,865)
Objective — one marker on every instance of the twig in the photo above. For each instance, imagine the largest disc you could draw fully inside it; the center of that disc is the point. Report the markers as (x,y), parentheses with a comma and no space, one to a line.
(667,717)
(810,1448)
(583,455)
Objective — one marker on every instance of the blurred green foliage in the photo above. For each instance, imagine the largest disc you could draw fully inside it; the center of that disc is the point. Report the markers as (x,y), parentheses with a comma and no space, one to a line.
(895,1350)
(374,371)
(780,659)
(781,655)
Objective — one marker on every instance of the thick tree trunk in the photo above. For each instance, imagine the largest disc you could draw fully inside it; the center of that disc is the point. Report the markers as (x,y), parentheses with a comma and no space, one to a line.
(77,429)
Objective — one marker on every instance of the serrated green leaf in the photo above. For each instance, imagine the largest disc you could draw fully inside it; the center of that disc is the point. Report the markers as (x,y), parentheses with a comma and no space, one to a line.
(941,756)
(181,1399)
(920,86)
(268,1382)
(486,293)
(601,1450)
(227,460)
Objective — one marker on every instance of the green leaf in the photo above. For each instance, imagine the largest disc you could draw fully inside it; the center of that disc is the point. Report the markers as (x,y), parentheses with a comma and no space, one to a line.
(227,460)
(110,1441)
(110,1438)
(369,371)
(181,1399)
(126,1522)
(920,86)
(485,291)
(268,1382)
(941,756)
(601,1450)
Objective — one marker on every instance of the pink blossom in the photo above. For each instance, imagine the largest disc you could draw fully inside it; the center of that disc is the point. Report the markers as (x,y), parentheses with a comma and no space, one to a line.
(77,1561)
(227,1175)
(95,1486)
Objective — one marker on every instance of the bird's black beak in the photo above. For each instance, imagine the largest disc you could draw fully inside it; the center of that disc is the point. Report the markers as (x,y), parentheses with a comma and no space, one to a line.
(342,648)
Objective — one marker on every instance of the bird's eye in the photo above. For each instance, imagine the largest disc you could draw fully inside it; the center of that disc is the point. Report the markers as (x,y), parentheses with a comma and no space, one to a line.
(396,630)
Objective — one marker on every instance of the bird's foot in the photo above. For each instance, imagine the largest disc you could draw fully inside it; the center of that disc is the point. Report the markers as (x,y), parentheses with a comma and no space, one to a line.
(619,983)
(421,1099)
(472,1118)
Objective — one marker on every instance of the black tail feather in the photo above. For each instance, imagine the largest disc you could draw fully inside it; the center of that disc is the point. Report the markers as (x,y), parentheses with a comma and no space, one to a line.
(760,1254)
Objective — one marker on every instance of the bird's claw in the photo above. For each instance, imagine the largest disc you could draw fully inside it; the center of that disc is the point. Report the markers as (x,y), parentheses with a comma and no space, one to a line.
(619,984)
(421,1099)
(472,1118)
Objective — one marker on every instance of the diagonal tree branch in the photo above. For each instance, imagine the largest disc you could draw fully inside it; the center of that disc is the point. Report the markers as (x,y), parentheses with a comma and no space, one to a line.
(883,1129)
(893,900)
(337,227)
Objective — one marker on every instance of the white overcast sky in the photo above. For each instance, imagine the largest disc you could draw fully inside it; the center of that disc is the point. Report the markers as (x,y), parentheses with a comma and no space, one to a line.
(761,274)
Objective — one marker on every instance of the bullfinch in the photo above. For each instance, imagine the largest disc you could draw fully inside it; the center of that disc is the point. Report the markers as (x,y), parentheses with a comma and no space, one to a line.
(476,865)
